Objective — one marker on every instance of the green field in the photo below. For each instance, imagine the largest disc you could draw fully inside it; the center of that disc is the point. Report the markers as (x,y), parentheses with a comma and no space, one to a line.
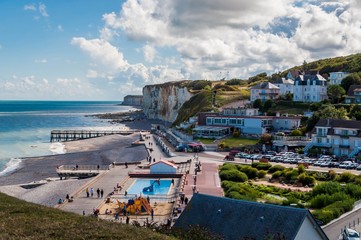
(239,142)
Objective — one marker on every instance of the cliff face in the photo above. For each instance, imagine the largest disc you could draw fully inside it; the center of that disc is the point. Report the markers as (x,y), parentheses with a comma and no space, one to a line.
(162,101)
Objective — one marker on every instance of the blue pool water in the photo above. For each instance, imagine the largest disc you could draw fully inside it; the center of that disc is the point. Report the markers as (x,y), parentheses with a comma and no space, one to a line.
(140,184)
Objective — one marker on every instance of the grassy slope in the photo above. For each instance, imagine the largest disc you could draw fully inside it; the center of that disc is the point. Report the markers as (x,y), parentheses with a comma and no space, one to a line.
(350,63)
(23,220)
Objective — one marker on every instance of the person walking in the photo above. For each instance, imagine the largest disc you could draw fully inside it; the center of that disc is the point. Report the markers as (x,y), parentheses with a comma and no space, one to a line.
(101,193)
(152,214)
(98,193)
(91,192)
(87,192)
(186,200)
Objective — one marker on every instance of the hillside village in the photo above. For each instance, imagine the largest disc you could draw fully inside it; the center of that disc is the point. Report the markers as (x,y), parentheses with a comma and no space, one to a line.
(309,108)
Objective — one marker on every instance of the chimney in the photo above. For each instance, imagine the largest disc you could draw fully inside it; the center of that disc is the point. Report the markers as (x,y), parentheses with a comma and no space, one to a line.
(277,114)
(328,122)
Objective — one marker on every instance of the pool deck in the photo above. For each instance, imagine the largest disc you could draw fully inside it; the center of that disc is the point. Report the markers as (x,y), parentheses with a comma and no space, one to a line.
(207,181)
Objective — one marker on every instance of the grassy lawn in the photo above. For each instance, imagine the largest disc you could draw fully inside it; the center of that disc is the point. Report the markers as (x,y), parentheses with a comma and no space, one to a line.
(205,140)
(239,142)
(23,220)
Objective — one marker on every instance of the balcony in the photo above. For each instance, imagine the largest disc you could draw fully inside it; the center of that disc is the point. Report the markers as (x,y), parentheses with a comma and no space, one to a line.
(344,145)
(327,145)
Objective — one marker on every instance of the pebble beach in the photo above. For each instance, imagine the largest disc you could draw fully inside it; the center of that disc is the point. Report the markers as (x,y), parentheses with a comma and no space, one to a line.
(102,150)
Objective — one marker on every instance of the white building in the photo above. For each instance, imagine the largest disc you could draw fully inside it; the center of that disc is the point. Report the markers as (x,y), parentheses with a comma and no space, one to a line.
(285,85)
(310,88)
(265,91)
(336,77)
(241,111)
(340,137)
(252,124)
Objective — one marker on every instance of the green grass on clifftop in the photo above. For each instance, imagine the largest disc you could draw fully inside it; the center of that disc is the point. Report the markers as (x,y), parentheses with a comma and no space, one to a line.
(200,102)
(23,220)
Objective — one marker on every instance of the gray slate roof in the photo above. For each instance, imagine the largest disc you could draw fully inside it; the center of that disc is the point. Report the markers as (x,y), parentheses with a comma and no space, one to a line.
(339,123)
(352,89)
(302,79)
(237,219)
(265,85)
(284,81)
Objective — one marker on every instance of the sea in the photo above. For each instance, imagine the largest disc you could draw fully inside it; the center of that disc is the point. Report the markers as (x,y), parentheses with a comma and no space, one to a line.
(25,126)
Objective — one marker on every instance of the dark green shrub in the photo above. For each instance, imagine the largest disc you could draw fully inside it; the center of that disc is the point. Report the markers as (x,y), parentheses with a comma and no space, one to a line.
(346,177)
(291,174)
(233,175)
(227,166)
(277,174)
(305,179)
(261,173)
(353,190)
(324,215)
(276,168)
(326,188)
(332,175)
(248,170)
(261,165)
(301,169)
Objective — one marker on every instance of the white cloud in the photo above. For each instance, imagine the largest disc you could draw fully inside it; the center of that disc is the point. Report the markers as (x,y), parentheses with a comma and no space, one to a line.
(42,10)
(149,53)
(60,28)
(214,39)
(41,60)
(92,74)
(30,7)
(103,52)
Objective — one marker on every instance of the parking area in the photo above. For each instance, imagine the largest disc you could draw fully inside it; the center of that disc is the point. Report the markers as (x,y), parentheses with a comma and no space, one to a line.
(324,161)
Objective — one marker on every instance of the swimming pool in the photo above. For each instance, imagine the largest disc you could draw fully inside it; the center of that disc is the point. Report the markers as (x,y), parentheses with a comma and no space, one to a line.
(144,184)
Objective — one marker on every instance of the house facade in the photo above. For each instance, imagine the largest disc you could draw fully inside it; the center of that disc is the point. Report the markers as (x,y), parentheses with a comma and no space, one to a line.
(285,85)
(250,124)
(241,111)
(310,88)
(264,91)
(336,77)
(340,137)
(353,94)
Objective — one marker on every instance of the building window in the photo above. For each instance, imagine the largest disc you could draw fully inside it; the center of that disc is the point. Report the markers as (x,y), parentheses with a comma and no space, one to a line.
(209,121)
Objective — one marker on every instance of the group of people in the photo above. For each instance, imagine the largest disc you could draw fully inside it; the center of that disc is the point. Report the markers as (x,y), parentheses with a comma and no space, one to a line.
(184,199)
(100,192)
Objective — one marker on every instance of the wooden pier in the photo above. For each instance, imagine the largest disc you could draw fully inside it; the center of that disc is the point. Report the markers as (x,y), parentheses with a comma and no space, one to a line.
(71,135)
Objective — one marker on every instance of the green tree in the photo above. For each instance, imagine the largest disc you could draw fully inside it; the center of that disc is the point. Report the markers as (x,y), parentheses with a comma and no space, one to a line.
(258,104)
(335,92)
(352,79)
(266,138)
(356,112)
(296,132)
(267,105)
(326,112)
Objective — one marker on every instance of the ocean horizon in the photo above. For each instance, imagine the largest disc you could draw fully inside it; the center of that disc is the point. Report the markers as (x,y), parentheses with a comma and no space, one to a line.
(25,126)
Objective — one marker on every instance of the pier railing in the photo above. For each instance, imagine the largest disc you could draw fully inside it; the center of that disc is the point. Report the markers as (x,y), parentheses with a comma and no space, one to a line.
(71,135)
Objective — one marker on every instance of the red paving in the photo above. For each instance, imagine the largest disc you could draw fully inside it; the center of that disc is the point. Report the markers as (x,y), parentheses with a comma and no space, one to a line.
(207,182)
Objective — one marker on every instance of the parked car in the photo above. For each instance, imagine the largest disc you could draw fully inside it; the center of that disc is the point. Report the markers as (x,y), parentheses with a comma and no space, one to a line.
(350,234)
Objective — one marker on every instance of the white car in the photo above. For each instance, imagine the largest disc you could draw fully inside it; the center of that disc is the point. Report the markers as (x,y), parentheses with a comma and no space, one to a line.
(350,234)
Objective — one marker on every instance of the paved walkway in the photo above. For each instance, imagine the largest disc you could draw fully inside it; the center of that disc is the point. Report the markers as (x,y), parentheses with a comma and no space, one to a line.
(106,181)
(207,180)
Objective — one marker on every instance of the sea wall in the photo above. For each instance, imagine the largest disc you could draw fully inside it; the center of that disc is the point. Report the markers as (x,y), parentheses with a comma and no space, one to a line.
(162,101)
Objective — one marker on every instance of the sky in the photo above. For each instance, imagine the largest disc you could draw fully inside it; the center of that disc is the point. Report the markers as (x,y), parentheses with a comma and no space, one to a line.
(107,49)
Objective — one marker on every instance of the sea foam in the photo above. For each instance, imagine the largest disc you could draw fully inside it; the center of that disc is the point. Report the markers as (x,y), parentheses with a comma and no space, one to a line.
(11,166)
(57,148)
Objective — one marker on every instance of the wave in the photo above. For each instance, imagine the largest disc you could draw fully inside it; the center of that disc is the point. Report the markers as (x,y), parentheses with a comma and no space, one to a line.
(11,166)
(57,148)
